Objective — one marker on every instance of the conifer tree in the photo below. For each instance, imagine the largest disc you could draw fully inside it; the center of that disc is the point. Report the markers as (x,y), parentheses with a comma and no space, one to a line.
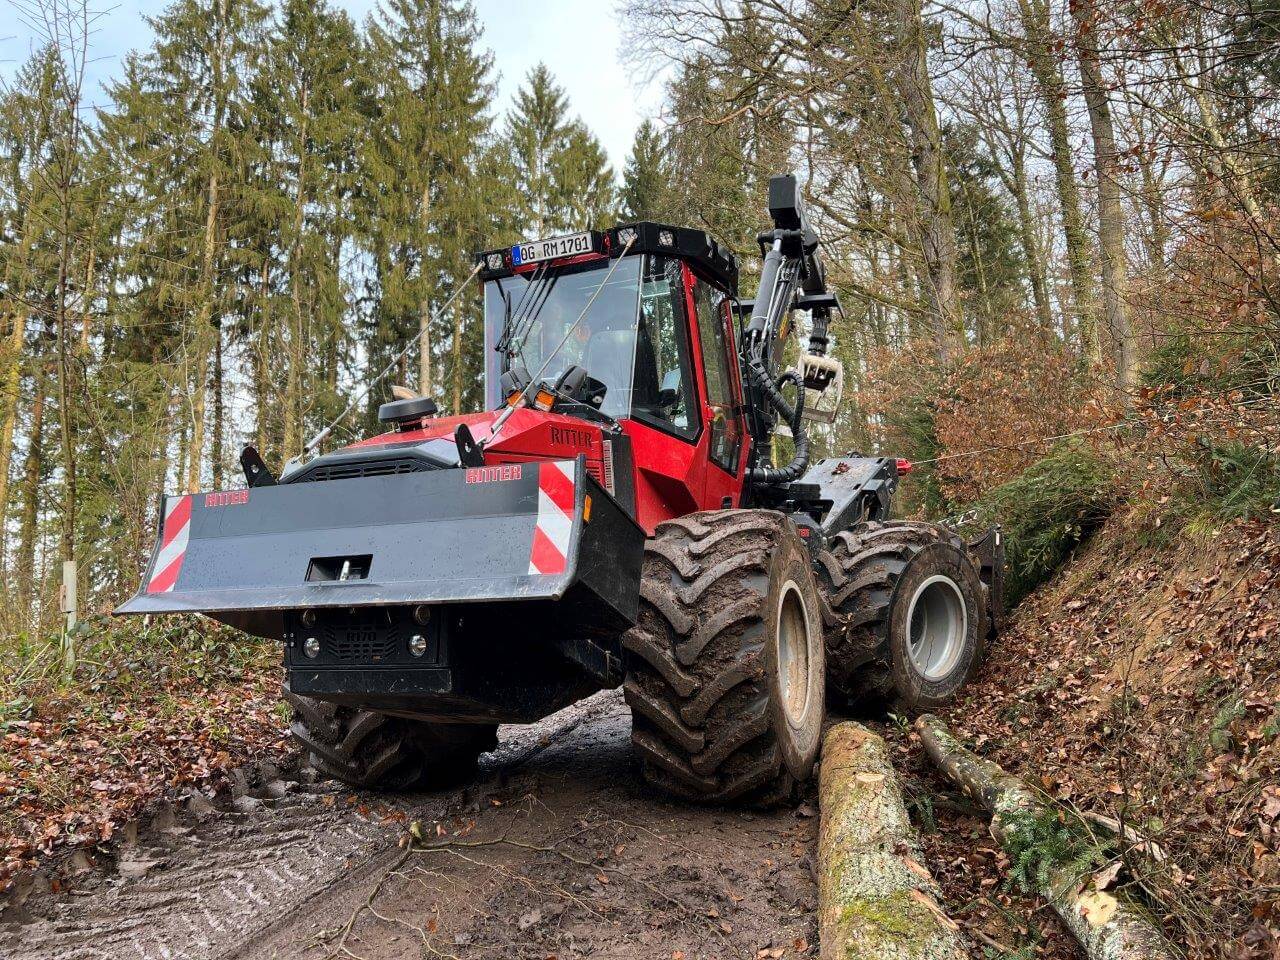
(308,106)
(433,86)
(25,127)
(714,189)
(192,100)
(562,179)
(646,177)
(991,270)
(584,191)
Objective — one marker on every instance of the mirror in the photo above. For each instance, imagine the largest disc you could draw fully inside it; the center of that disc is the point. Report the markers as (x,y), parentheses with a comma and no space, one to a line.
(669,392)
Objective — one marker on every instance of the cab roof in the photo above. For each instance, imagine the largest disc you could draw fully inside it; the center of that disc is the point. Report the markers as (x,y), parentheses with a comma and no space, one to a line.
(713,259)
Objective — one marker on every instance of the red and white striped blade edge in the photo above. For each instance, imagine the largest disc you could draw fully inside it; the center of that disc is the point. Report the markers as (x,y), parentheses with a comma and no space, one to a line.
(173,546)
(550,551)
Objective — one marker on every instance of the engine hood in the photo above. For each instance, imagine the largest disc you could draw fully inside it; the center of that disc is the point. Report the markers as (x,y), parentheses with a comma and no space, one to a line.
(528,434)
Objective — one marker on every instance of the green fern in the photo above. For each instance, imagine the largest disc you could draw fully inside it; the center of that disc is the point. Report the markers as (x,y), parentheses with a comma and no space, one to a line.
(1027,951)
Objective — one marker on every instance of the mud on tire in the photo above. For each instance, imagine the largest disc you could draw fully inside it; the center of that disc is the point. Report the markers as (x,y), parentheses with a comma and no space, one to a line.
(373,751)
(725,666)
(868,635)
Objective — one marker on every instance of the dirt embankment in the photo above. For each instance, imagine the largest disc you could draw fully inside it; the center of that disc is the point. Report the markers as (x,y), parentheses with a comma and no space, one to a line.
(152,711)
(1143,685)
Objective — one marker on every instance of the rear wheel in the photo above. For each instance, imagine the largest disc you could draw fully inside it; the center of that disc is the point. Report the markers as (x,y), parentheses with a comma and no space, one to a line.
(373,751)
(725,666)
(911,613)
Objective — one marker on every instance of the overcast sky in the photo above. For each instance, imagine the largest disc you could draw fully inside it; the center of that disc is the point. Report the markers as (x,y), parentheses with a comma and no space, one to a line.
(578,39)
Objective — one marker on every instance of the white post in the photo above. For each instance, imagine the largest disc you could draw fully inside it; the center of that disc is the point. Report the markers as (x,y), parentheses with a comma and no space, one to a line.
(67,598)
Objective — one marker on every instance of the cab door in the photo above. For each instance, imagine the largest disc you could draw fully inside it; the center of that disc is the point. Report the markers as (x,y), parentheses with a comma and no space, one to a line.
(722,400)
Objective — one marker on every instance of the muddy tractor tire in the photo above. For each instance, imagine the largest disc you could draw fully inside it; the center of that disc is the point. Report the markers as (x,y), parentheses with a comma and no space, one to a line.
(372,751)
(909,613)
(725,672)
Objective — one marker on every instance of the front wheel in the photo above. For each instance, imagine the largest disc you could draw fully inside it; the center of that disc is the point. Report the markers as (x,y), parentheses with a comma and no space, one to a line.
(372,751)
(726,663)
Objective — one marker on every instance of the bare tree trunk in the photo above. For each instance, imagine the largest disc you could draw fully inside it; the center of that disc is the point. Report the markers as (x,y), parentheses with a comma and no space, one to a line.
(86,295)
(200,376)
(33,466)
(1155,238)
(9,393)
(980,319)
(424,307)
(937,230)
(219,408)
(1126,934)
(1044,66)
(182,458)
(204,315)
(457,361)
(297,355)
(261,366)
(66,418)
(875,899)
(1030,244)
(1110,210)
(11,385)
(1222,161)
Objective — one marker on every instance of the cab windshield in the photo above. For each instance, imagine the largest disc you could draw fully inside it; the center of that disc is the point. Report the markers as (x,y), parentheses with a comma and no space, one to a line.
(633,340)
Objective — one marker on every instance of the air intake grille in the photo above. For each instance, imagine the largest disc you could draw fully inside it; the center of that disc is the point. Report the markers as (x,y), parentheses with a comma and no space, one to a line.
(361,641)
(365,468)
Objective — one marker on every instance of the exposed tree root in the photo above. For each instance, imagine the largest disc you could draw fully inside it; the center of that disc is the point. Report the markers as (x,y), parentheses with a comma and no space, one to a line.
(875,898)
(1106,927)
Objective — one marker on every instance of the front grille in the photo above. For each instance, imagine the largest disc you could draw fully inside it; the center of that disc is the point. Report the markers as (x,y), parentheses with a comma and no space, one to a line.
(364,468)
(363,641)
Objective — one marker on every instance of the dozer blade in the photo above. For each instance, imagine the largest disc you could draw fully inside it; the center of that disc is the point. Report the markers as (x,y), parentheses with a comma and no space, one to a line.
(528,531)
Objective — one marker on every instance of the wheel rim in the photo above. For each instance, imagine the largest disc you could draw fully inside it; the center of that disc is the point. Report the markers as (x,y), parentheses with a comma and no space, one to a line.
(937,623)
(793,653)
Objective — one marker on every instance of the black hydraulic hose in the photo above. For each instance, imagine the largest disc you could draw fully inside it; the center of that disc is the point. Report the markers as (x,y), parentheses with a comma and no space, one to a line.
(794,418)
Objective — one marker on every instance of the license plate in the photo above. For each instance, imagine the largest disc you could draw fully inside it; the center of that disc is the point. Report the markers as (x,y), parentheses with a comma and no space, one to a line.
(536,250)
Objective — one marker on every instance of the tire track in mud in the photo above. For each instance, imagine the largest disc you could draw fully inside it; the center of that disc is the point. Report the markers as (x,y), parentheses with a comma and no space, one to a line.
(207,882)
(578,858)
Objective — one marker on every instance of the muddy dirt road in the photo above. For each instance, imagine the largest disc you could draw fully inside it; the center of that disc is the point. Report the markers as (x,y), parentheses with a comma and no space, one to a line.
(555,850)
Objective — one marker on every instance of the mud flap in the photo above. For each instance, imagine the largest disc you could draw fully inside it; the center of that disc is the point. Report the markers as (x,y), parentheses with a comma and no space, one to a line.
(510,532)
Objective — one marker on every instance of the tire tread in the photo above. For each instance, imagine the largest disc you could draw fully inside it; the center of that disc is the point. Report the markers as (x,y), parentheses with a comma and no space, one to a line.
(696,675)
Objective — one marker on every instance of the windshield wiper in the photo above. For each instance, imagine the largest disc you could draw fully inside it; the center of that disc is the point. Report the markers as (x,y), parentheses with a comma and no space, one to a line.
(515,323)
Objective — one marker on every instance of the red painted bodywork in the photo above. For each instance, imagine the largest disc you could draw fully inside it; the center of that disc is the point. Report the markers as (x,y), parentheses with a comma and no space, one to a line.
(673,476)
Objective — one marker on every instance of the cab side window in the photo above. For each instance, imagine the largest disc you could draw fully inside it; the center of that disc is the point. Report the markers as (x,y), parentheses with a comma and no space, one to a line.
(663,389)
(726,432)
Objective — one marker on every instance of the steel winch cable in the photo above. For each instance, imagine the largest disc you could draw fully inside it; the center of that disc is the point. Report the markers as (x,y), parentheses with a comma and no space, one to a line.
(1085,431)
(359,398)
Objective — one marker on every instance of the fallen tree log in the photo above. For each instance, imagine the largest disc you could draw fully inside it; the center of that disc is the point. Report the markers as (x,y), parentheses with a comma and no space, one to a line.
(1105,926)
(876,901)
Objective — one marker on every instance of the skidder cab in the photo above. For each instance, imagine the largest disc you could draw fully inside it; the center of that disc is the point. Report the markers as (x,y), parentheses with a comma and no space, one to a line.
(612,518)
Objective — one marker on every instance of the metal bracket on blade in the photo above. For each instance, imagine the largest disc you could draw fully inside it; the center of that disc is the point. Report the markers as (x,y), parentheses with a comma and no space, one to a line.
(469,452)
(256,473)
